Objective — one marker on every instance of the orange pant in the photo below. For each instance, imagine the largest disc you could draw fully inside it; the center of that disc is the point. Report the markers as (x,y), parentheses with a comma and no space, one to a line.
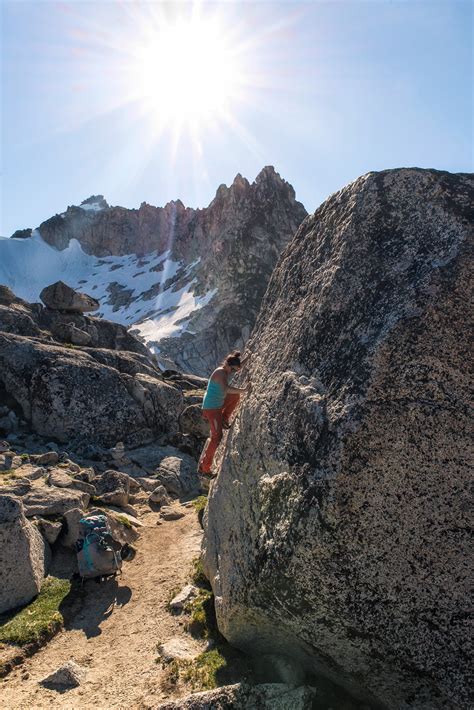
(216,417)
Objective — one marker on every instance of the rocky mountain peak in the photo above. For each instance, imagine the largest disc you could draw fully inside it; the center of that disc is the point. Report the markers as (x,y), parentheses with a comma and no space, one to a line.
(97,202)
(202,271)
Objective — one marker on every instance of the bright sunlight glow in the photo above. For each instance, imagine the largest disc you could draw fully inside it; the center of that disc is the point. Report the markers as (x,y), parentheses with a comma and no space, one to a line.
(187,72)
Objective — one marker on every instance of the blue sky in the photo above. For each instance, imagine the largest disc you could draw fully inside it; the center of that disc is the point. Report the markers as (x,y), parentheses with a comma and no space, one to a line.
(326,91)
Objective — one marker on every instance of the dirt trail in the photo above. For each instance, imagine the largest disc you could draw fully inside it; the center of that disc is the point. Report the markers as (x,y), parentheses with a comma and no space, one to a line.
(116,632)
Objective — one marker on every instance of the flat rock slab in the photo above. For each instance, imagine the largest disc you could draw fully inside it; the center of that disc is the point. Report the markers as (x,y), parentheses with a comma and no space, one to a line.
(171,513)
(177,649)
(30,471)
(53,501)
(16,486)
(59,478)
(47,459)
(174,469)
(148,484)
(68,676)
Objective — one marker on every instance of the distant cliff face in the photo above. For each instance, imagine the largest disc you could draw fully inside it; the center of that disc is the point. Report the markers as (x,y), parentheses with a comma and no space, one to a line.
(190,281)
(337,528)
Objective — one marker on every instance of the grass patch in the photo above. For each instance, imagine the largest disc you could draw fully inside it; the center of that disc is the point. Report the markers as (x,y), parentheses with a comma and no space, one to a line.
(197,574)
(201,673)
(40,618)
(202,616)
(125,521)
(25,457)
(199,503)
(209,670)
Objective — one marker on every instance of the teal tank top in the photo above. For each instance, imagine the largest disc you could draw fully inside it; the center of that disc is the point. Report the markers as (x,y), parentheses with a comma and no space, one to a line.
(215,395)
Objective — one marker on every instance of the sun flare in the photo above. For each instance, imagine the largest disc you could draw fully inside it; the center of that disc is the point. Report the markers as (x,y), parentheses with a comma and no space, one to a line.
(188,71)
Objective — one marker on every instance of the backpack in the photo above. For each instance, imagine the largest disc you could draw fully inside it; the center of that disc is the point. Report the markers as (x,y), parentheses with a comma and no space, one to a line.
(98,554)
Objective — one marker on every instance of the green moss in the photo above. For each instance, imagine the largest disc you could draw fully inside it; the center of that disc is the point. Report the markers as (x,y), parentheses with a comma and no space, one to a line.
(201,673)
(40,618)
(197,575)
(125,521)
(202,617)
(25,457)
(199,503)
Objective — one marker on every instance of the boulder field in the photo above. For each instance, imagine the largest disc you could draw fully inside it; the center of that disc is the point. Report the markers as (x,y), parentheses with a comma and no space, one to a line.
(337,529)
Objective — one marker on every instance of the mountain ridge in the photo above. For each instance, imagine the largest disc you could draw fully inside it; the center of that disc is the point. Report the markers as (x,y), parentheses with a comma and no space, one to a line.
(166,270)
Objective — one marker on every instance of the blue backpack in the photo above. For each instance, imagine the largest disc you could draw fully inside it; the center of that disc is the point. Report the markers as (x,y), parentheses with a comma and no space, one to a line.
(98,554)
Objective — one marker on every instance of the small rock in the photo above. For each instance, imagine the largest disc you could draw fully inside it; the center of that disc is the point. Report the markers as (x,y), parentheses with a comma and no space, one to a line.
(86,474)
(168,513)
(17,487)
(70,675)
(9,460)
(72,518)
(46,459)
(185,595)
(159,496)
(176,648)
(49,529)
(113,487)
(148,484)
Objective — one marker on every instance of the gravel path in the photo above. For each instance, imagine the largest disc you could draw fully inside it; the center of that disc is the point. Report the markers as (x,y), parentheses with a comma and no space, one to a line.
(116,632)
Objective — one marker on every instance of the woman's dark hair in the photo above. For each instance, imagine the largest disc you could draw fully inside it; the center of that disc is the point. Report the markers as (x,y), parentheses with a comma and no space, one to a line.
(232,359)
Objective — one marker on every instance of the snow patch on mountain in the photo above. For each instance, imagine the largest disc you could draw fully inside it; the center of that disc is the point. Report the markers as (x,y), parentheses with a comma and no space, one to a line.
(172,318)
(132,290)
(92,207)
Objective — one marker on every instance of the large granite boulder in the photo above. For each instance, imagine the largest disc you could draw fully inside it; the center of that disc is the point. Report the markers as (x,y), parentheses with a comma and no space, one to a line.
(69,395)
(61,297)
(22,555)
(336,531)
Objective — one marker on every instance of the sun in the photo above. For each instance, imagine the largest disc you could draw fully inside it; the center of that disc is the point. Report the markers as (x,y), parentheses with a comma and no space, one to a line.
(188,71)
